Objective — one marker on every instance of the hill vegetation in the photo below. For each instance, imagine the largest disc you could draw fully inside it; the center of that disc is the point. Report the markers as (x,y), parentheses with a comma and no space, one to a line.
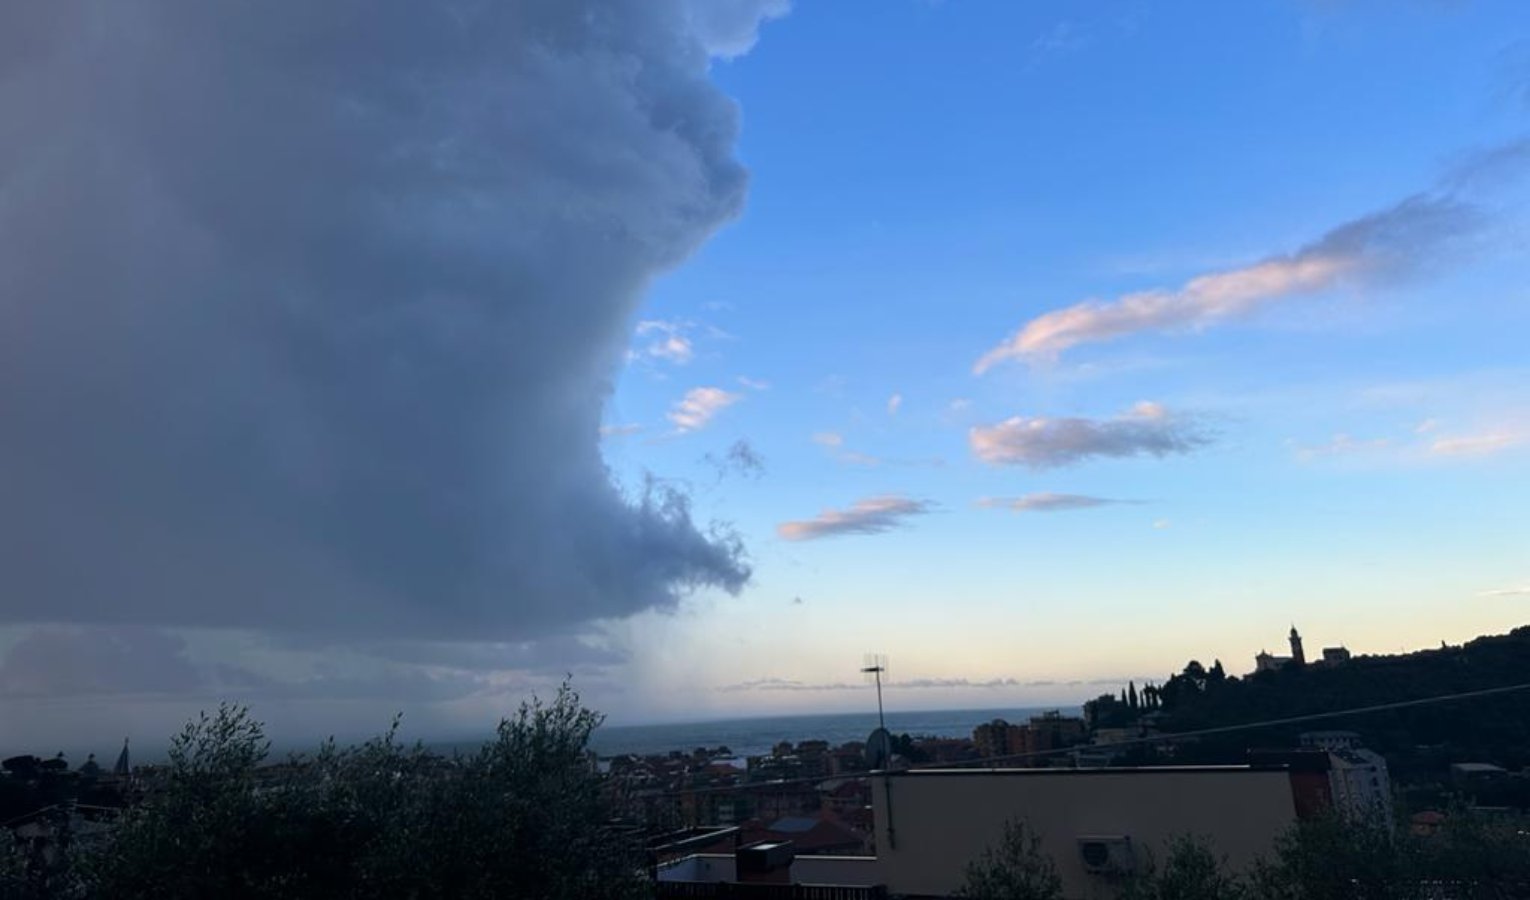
(1418,741)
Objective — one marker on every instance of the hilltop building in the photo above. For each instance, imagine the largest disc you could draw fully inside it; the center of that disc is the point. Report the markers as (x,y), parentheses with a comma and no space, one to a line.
(1267,662)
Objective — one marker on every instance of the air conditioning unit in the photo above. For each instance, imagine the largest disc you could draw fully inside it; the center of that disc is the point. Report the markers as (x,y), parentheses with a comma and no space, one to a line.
(1107,854)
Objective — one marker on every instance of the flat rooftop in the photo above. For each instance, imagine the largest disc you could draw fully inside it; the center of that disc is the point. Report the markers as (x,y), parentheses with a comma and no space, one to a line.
(1086,771)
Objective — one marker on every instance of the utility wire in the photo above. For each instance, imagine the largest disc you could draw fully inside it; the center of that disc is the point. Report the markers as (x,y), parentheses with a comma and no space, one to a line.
(991,761)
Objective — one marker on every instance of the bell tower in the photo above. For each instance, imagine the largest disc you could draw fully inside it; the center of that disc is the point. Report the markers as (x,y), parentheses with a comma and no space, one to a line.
(1297,656)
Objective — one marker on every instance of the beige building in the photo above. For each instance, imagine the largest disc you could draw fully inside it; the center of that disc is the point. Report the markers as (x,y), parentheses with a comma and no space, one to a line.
(931,823)
(1095,824)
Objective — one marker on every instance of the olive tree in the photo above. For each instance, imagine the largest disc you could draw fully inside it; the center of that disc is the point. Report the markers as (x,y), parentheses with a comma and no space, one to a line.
(1015,868)
(521,817)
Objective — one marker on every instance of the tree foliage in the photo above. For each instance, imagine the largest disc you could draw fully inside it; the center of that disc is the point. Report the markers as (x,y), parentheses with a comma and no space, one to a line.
(1335,859)
(1418,741)
(1013,869)
(1190,871)
(522,817)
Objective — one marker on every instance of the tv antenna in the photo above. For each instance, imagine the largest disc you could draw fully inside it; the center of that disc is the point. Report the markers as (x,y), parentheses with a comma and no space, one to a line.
(879,746)
(876,664)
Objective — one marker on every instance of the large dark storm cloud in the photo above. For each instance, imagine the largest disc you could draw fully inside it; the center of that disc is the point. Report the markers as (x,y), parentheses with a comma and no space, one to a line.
(308,310)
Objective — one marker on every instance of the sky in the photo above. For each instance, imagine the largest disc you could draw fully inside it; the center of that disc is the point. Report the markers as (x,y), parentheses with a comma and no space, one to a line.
(366,359)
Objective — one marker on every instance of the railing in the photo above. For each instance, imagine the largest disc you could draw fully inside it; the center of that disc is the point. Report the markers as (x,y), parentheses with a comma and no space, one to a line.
(724,890)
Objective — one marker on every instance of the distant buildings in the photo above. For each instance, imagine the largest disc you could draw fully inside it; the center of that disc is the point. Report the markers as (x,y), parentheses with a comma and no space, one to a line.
(1333,656)
(1051,731)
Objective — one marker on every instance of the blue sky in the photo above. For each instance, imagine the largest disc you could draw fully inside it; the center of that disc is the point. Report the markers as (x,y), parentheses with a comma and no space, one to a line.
(927,178)
(1037,346)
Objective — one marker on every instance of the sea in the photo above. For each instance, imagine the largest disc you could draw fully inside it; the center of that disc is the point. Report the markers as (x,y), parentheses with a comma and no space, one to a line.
(752,737)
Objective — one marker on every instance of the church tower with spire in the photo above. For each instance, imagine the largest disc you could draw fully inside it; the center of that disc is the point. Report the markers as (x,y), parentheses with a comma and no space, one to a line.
(1298,658)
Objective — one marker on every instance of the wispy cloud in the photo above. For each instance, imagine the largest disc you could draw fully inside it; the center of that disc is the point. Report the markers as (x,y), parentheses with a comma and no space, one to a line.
(1521,591)
(873,515)
(620,430)
(894,403)
(754,384)
(666,340)
(1340,445)
(834,443)
(1383,245)
(699,405)
(1060,38)
(1428,441)
(1147,429)
(1047,502)
(1484,444)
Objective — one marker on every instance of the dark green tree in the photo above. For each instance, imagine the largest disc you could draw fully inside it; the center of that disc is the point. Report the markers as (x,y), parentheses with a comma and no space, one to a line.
(1335,859)
(522,817)
(1190,871)
(1013,869)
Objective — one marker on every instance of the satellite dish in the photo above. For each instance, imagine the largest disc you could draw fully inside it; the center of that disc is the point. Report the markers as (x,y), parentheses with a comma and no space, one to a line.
(879,748)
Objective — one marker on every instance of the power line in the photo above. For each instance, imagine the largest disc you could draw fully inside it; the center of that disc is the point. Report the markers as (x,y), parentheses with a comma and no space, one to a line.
(991,761)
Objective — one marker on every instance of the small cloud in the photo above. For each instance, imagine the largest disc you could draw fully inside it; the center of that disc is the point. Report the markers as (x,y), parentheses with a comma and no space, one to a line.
(667,340)
(834,442)
(675,348)
(796,601)
(873,515)
(960,404)
(620,430)
(1161,523)
(693,411)
(1475,444)
(1046,502)
(1428,426)
(1341,445)
(894,403)
(1147,429)
(753,384)
(854,458)
(1063,37)
(1522,591)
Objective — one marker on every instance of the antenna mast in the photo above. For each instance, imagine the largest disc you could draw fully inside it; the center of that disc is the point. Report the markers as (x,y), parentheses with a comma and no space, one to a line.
(876,664)
(879,748)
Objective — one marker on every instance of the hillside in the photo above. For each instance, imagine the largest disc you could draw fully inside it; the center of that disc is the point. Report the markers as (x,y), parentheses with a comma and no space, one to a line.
(1418,741)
